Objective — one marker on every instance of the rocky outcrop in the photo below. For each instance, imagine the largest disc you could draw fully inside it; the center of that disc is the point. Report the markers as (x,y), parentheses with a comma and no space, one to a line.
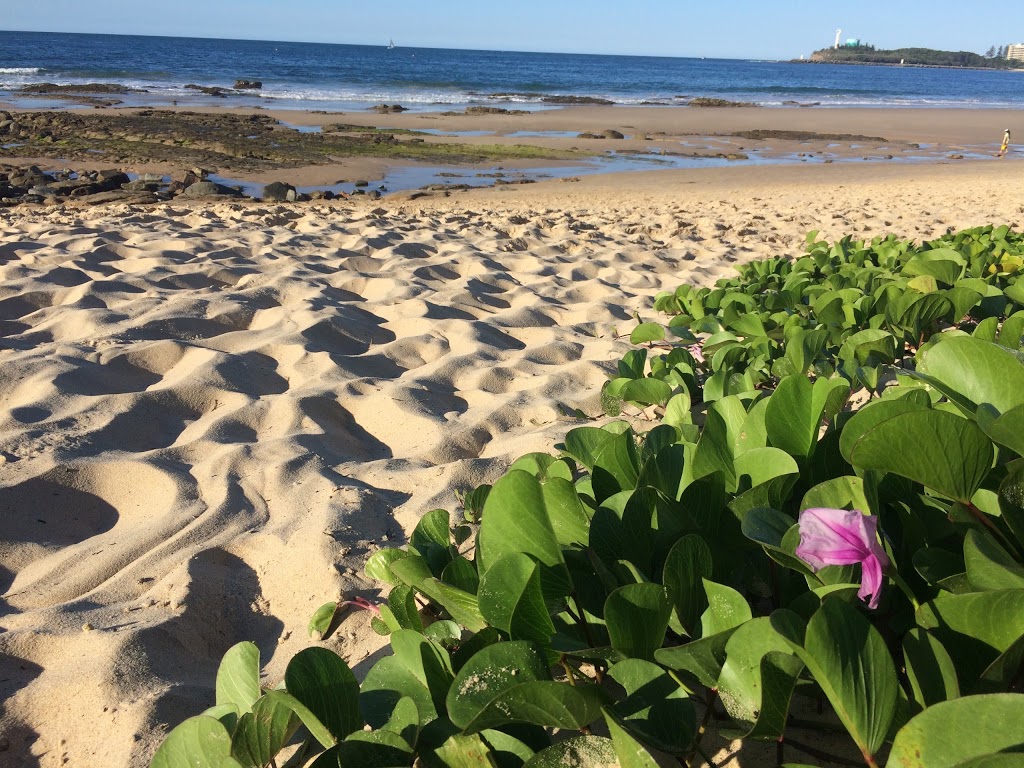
(248,85)
(279,192)
(388,109)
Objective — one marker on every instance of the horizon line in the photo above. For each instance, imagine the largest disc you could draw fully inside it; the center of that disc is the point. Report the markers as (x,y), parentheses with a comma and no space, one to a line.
(375,45)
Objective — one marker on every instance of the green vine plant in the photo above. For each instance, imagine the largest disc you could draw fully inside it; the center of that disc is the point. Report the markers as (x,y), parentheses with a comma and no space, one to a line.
(764,542)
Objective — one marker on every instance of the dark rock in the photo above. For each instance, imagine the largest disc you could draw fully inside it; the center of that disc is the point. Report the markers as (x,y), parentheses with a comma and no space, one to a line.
(248,85)
(575,100)
(388,109)
(48,88)
(589,135)
(208,189)
(762,135)
(612,134)
(158,177)
(119,196)
(494,111)
(278,192)
(141,185)
(362,183)
(704,101)
(213,90)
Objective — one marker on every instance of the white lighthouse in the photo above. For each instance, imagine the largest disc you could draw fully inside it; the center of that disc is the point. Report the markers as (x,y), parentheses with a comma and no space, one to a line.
(839,34)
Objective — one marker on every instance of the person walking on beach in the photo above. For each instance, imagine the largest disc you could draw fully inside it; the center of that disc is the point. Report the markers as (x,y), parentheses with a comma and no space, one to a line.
(1006,143)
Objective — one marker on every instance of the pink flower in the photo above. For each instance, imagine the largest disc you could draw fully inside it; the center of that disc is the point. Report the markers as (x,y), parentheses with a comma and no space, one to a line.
(843,537)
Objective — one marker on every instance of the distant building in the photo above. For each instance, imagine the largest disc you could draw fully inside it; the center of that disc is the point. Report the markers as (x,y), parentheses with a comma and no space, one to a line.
(852,42)
(1015,52)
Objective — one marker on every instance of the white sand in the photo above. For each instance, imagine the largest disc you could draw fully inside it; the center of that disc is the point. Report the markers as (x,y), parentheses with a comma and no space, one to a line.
(209,417)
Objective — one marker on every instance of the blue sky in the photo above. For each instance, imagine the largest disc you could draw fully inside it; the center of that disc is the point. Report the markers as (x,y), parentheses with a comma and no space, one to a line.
(740,28)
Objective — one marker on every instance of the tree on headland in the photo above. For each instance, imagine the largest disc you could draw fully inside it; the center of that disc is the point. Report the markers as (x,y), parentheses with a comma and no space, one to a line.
(991,52)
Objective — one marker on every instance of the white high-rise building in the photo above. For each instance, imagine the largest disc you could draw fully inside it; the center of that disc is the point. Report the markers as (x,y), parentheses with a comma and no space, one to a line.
(1015,52)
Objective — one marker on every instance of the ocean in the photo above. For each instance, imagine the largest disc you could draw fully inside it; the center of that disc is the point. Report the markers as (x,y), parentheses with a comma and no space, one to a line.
(307,76)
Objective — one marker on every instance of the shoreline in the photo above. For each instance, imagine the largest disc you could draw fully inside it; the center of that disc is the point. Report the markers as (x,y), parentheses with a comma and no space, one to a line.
(342,153)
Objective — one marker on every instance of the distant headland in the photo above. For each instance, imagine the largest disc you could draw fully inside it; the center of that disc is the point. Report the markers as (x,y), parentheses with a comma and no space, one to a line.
(911,57)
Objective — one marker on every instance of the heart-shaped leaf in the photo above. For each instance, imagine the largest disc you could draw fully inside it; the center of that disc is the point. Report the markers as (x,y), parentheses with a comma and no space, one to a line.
(238,677)
(656,709)
(936,737)
(687,565)
(850,662)
(940,450)
(511,599)
(323,682)
(637,617)
(491,672)
(199,742)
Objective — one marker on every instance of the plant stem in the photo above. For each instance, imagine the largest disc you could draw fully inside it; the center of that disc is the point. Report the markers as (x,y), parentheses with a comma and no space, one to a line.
(583,621)
(568,671)
(982,518)
(904,588)
(710,704)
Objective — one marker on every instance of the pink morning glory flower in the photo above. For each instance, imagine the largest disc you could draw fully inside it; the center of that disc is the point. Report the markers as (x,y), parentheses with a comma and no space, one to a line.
(844,537)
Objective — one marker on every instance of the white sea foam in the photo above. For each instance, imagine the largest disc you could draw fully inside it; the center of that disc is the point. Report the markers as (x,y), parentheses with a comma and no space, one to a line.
(19,70)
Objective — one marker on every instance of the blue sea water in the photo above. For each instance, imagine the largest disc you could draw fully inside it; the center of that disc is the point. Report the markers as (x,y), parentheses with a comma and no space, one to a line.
(318,76)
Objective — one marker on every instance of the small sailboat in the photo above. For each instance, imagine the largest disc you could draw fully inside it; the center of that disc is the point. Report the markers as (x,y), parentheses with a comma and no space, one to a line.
(391,45)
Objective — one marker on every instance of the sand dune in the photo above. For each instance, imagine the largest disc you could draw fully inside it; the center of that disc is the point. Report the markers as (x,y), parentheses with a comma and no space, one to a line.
(209,417)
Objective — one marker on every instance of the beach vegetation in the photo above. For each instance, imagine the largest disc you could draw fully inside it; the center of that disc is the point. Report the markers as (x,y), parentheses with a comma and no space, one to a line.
(816,497)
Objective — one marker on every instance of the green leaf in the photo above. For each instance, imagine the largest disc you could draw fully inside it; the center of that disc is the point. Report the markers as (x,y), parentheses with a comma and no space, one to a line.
(845,492)
(1011,499)
(701,658)
(511,599)
(940,450)
(578,752)
(936,738)
(930,670)
(491,672)
(630,753)
(850,661)
(465,752)
(462,606)
(980,371)
(321,620)
(583,443)
(637,617)
(688,563)
(727,609)
(760,673)
(543,702)
(656,709)
(238,677)
(420,670)
(616,466)
(199,742)
(989,566)
(565,510)
(646,392)
(794,413)
(431,539)
(516,520)
(647,332)
(323,682)
(378,565)
(975,628)
(317,730)
(377,749)
(262,733)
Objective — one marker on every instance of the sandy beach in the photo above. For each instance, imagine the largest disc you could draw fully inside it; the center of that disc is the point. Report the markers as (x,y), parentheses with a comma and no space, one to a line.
(212,413)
